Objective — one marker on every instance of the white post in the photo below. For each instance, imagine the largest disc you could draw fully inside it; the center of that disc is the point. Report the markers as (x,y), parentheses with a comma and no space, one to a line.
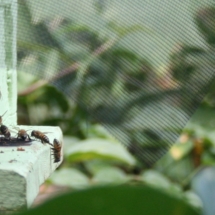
(21,171)
(8,80)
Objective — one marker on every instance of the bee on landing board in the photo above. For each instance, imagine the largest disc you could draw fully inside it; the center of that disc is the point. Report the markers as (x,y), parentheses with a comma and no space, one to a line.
(56,150)
(41,136)
(22,134)
(5,131)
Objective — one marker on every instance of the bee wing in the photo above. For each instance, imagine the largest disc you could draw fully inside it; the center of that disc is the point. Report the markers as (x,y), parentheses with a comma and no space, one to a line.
(4,113)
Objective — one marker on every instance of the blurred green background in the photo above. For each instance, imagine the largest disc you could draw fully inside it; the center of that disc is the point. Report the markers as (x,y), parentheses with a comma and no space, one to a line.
(57,38)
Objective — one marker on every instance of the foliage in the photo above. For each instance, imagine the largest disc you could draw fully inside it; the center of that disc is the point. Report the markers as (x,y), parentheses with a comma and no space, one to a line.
(150,89)
(116,200)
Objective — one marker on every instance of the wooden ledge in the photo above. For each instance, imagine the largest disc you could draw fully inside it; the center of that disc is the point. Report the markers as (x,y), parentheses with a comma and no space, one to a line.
(24,168)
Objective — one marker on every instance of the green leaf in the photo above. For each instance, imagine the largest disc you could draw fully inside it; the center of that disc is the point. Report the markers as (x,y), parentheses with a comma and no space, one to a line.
(155,178)
(160,181)
(115,200)
(94,166)
(110,175)
(208,158)
(180,150)
(180,170)
(99,131)
(68,142)
(193,199)
(69,177)
(99,149)
(52,97)
(202,123)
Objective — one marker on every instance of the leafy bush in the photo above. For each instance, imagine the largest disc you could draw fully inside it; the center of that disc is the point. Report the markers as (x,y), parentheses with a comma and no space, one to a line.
(149,82)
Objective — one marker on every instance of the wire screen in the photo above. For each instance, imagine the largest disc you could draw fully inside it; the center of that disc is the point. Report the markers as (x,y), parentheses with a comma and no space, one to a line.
(140,68)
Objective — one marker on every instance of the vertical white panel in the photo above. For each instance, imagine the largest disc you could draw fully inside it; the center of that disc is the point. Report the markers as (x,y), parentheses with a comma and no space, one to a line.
(8,79)
(3,74)
(11,73)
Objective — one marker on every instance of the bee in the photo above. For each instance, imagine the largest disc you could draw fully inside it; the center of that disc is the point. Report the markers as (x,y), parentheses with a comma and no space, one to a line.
(5,131)
(41,136)
(1,117)
(22,134)
(56,150)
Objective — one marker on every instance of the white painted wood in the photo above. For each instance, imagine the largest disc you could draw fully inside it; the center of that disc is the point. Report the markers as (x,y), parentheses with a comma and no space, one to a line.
(22,172)
(8,79)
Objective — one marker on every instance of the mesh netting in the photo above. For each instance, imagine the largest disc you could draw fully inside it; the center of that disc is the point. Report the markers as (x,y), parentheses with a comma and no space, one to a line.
(140,68)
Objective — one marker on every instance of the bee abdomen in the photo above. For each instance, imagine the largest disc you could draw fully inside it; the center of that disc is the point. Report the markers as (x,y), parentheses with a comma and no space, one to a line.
(44,139)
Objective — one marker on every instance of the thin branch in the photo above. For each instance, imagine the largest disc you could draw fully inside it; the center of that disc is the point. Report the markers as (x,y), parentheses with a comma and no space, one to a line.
(104,47)
(33,87)
(66,71)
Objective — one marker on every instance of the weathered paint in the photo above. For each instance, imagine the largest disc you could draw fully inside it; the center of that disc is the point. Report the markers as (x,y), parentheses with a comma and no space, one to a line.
(22,172)
(8,78)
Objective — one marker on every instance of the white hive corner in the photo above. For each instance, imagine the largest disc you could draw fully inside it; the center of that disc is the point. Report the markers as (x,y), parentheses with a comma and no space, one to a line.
(24,168)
